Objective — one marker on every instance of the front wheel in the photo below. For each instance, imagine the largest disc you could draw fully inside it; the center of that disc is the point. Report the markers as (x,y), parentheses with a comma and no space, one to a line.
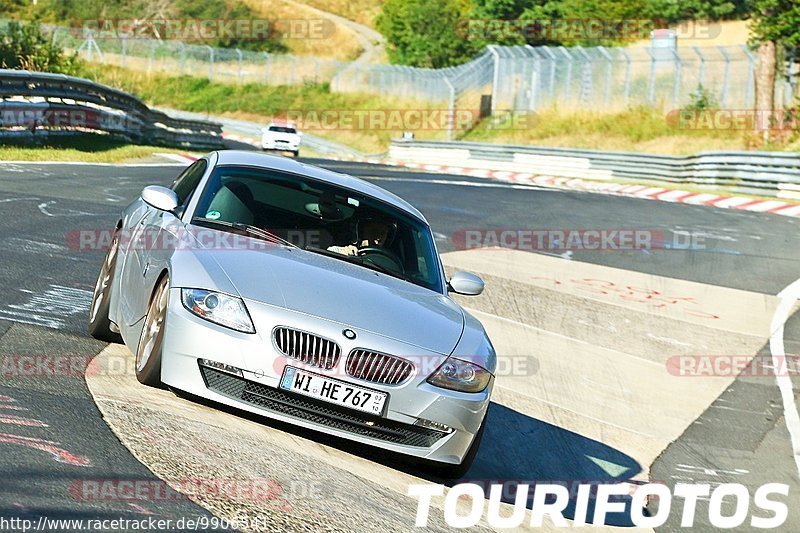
(99,323)
(151,341)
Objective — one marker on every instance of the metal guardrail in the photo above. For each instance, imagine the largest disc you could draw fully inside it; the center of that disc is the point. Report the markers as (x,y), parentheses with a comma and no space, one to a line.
(762,173)
(39,105)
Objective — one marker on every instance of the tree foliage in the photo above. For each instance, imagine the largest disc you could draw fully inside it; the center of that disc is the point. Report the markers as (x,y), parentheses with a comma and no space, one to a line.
(76,12)
(678,10)
(425,33)
(777,21)
(22,46)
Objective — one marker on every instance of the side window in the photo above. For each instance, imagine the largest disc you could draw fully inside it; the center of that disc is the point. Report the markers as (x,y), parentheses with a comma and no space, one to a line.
(185,184)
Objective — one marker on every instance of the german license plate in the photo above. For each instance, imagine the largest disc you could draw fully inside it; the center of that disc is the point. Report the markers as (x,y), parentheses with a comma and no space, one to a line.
(333,391)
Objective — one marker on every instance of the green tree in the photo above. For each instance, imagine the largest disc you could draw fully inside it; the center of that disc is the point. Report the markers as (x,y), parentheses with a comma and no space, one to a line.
(22,46)
(777,21)
(426,33)
(679,10)
(77,12)
(775,26)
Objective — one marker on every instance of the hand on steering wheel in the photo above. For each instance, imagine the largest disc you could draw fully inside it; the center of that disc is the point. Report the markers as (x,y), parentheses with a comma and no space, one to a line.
(383,252)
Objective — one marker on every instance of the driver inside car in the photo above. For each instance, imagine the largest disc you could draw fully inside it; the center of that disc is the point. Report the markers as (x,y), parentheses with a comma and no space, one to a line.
(369,233)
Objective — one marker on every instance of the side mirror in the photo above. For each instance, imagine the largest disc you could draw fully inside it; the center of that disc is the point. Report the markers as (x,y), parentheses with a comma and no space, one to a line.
(160,197)
(466,284)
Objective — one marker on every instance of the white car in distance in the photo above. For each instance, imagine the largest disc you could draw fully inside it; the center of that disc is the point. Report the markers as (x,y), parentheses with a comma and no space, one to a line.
(281,137)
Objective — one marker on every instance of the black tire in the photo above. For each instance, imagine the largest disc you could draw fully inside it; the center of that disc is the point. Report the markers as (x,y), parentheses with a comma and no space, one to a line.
(296,153)
(450,471)
(151,341)
(99,323)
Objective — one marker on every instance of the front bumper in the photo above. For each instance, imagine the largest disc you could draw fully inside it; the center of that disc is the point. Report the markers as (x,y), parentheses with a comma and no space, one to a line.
(278,145)
(189,338)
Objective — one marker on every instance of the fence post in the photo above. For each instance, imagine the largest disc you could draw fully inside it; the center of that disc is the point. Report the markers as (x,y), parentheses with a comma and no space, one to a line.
(568,83)
(651,86)
(90,46)
(725,76)
(627,89)
(552,82)
(701,76)
(124,51)
(89,41)
(239,61)
(587,79)
(751,67)
(495,76)
(676,90)
(182,60)
(607,85)
(210,63)
(451,109)
(266,68)
(535,81)
(151,57)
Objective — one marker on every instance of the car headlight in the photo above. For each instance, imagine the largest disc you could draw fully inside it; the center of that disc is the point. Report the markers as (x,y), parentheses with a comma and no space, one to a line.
(456,374)
(222,309)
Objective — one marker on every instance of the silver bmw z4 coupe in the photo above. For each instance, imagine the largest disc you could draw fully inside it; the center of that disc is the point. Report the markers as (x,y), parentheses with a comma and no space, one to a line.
(302,295)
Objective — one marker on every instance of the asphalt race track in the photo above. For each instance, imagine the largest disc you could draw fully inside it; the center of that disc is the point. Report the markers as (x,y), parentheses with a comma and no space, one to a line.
(52,435)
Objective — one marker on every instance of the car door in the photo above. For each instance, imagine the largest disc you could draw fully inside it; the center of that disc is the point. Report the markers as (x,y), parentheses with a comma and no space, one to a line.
(145,239)
(167,228)
(134,248)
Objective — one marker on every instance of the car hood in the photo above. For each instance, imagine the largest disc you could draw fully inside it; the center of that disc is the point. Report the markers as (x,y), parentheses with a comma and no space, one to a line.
(352,295)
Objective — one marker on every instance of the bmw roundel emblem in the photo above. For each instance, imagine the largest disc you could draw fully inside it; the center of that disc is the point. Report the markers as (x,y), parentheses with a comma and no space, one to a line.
(349,334)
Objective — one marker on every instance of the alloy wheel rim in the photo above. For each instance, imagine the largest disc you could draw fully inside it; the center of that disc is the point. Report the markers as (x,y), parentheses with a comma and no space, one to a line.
(103,280)
(152,327)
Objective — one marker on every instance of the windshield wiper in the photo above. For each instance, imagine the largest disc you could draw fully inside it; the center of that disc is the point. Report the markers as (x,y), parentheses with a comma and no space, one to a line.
(247,228)
(358,260)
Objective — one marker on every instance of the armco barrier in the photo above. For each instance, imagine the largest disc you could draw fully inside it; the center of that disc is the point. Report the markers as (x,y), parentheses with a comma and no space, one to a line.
(37,106)
(761,173)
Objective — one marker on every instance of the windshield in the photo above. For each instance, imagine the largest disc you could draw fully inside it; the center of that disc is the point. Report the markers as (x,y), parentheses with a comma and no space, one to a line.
(321,218)
(282,129)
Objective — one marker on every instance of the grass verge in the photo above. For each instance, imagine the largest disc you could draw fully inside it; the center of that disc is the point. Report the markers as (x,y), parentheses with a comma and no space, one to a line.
(91,149)
(634,130)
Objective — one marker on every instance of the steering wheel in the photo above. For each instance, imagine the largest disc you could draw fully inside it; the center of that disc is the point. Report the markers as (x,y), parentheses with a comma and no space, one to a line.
(382,252)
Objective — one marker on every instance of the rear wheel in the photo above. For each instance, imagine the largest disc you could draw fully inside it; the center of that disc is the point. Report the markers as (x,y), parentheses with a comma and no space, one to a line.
(148,352)
(99,323)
